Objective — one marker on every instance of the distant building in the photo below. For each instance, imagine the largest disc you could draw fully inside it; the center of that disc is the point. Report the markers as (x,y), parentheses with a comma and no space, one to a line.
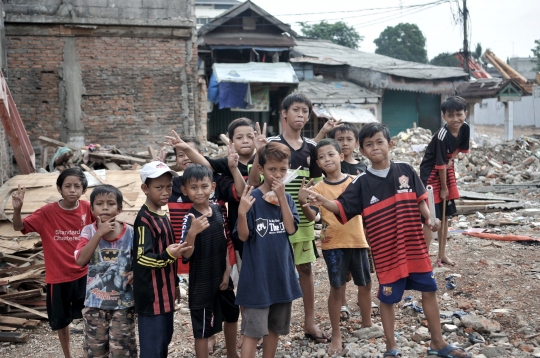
(207,10)
(525,66)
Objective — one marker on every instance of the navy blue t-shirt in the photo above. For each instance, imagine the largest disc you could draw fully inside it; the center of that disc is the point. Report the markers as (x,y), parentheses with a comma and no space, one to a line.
(268,273)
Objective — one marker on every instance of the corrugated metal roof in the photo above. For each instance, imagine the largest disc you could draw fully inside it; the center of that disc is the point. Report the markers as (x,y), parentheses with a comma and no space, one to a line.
(486,88)
(327,49)
(352,115)
(317,61)
(336,92)
(279,72)
(246,39)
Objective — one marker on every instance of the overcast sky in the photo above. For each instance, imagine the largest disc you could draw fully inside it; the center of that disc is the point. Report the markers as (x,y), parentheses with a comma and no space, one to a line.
(507,27)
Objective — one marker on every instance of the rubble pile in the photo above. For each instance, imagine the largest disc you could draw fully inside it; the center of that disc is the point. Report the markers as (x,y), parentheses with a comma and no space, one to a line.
(489,163)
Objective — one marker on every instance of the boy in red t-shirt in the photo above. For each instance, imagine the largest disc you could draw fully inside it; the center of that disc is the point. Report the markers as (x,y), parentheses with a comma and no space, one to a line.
(59,225)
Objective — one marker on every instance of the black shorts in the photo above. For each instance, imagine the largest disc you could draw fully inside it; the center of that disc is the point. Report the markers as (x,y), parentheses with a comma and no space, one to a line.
(342,261)
(451,210)
(65,302)
(208,321)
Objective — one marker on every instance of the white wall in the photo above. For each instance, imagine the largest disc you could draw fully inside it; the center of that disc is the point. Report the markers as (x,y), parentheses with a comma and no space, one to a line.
(491,112)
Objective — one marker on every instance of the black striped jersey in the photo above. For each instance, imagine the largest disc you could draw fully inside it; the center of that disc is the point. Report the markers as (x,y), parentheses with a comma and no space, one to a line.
(389,208)
(208,261)
(304,158)
(154,269)
(180,204)
(439,153)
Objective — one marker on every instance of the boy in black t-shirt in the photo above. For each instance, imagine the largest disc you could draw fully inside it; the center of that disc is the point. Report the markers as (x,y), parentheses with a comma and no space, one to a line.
(211,295)
(437,167)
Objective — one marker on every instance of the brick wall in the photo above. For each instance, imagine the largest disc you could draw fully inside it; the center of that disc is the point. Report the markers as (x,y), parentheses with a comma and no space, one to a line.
(136,89)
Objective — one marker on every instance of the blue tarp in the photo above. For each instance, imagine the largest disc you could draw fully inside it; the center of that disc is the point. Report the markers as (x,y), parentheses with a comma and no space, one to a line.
(232,94)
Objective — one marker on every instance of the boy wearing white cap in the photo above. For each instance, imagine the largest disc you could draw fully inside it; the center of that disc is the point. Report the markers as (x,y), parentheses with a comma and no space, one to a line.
(154,265)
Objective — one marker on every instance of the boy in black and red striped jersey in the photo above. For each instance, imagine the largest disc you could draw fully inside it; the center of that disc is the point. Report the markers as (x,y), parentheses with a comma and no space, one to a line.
(437,167)
(390,197)
(155,283)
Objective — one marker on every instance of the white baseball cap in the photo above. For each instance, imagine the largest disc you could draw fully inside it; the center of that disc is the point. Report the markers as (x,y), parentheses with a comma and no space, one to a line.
(156,169)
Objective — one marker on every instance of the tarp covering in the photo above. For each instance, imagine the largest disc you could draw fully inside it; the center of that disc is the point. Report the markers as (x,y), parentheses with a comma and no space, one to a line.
(352,115)
(279,72)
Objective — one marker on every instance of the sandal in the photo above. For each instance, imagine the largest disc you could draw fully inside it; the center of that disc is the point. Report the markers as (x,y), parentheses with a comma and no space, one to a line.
(344,309)
(392,353)
(317,339)
(445,352)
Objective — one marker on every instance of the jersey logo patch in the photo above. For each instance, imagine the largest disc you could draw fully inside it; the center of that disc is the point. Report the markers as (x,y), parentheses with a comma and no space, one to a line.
(308,160)
(179,200)
(83,220)
(373,200)
(261,226)
(404,182)
(387,290)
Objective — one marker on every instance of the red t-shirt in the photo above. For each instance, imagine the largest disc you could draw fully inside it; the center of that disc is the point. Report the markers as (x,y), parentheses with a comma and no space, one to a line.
(60,231)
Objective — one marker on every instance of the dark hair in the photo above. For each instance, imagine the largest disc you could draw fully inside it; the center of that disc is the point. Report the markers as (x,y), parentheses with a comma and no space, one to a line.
(197,172)
(454,104)
(191,139)
(72,172)
(239,122)
(370,129)
(296,97)
(345,126)
(274,151)
(328,141)
(104,190)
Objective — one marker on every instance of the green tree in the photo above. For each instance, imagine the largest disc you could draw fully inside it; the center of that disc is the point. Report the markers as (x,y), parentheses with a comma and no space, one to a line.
(536,52)
(477,54)
(339,33)
(403,41)
(445,59)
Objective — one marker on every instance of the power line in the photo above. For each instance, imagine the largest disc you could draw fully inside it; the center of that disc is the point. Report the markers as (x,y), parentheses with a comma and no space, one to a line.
(386,19)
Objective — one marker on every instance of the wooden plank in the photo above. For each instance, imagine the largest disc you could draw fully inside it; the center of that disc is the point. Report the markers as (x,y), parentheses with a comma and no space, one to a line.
(13,270)
(4,328)
(12,321)
(152,152)
(118,157)
(93,173)
(22,276)
(18,337)
(31,310)
(111,166)
(57,143)
(23,294)
(14,259)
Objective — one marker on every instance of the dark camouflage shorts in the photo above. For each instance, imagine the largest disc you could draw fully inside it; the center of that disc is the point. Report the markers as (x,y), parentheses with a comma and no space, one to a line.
(109,333)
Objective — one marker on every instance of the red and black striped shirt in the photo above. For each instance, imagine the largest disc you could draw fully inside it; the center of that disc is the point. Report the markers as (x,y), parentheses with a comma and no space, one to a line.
(154,269)
(389,208)
(439,153)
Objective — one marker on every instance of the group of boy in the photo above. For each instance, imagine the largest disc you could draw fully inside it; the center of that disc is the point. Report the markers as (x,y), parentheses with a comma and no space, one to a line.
(116,271)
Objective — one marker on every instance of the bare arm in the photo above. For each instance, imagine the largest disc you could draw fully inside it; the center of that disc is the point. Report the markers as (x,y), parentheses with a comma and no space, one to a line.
(424,210)
(196,157)
(17,200)
(327,128)
(254,178)
(260,141)
(444,188)
(232,159)
(88,250)
(226,274)
(288,220)
(246,201)
(317,199)
(309,213)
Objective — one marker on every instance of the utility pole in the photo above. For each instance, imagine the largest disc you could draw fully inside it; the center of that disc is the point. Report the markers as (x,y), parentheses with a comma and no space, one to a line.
(465,41)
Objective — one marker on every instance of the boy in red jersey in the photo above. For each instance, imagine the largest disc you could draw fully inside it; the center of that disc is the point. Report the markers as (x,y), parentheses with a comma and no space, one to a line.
(59,225)
(393,190)
(437,167)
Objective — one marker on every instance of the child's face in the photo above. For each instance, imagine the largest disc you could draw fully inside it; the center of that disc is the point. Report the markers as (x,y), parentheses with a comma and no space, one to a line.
(243,140)
(297,115)
(182,160)
(274,169)
(377,148)
(105,206)
(72,189)
(347,142)
(455,119)
(199,191)
(159,190)
(328,159)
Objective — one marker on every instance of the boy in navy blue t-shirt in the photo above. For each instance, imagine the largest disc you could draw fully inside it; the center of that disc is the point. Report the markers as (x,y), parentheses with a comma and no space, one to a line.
(267,284)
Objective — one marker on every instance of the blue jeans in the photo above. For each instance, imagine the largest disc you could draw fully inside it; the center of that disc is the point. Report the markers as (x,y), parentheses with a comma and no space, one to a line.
(155,334)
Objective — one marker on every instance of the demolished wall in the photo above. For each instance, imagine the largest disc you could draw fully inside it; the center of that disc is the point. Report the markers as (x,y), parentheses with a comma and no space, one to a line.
(120,73)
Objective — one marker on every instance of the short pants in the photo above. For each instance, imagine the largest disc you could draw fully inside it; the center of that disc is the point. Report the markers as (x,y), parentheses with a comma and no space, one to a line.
(65,302)
(393,292)
(208,321)
(109,333)
(451,210)
(256,322)
(342,261)
(304,252)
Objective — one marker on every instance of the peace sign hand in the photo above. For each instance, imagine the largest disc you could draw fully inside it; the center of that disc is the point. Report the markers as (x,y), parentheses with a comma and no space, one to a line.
(17,198)
(304,193)
(176,142)
(232,158)
(260,136)
(331,124)
(246,201)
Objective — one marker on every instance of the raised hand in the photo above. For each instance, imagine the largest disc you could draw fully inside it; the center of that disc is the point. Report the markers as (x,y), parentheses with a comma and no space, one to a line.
(246,201)
(313,199)
(17,198)
(303,193)
(199,224)
(176,250)
(331,124)
(105,227)
(260,136)
(176,142)
(232,158)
